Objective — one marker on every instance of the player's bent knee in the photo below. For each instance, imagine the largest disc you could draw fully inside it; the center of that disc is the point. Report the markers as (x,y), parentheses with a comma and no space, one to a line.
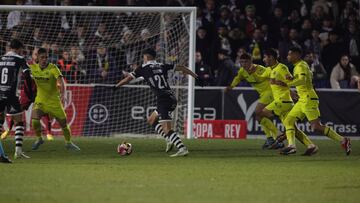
(289,121)
(152,118)
(317,127)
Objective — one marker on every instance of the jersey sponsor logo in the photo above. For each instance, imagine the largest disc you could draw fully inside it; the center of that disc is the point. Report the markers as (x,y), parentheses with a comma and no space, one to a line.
(4,58)
(98,113)
(41,78)
(7,63)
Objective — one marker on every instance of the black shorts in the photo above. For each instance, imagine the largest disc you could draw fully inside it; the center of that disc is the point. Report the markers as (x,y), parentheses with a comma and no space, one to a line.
(166,105)
(11,105)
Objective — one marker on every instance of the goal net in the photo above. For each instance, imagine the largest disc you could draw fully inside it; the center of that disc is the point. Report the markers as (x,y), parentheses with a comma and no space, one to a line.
(95,47)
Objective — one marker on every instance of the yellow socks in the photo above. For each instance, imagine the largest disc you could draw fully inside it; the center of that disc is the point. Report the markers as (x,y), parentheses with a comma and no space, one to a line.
(67,134)
(332,134)
(289,124)
(268,127)
(36,125)
(303,138)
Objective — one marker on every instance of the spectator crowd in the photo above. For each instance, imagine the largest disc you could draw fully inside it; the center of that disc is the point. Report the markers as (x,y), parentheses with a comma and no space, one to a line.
(326,30)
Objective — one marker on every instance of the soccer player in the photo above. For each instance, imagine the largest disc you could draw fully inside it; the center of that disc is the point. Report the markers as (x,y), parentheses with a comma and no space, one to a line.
(262,86)
(277,74)
(11,66)
(25,103)
(155,74)
(48,98)
(307,105)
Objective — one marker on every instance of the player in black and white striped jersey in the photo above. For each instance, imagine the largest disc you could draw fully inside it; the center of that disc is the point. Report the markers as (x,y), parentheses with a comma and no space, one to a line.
(12,65)
(155,74)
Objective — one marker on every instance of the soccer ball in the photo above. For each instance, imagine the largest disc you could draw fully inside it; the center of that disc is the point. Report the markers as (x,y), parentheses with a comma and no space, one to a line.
(124,149)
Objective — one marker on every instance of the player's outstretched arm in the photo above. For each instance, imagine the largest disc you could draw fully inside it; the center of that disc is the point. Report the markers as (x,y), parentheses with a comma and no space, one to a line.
(185,70)
(300,80)
(124,81)
(237,79)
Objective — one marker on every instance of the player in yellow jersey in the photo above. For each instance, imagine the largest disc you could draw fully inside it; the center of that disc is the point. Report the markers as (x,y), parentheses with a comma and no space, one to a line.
(262,86)
(48,98)
(277,74)
(307,105)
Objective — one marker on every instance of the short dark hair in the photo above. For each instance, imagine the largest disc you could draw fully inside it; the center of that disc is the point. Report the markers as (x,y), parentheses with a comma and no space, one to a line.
(296,50)
(245,56)
(223,52)
(42,51)
(271,52)
(16,44)
(150,52)
(309,51)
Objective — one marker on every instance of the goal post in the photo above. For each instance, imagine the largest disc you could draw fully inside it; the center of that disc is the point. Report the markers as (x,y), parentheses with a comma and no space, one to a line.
(96,46)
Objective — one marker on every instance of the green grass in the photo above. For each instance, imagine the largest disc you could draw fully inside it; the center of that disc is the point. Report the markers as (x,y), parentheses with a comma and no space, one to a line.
(215,171)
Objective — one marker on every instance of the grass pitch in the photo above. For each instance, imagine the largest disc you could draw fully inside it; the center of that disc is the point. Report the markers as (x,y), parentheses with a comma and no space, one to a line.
(215,171)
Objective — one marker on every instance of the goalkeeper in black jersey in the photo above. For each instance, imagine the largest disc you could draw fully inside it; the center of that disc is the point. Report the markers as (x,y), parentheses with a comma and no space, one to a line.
(155,74)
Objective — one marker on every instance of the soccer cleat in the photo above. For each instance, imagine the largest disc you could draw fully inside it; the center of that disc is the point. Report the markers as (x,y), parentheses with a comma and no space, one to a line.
(5,134)
(49,137)
(72,146)
(169,146)
(5,159)
(281,138)
(346,144)
(182,152)
(268,142)
(19,155)
(37,144)
(277,145)
(288,150)
(311,151)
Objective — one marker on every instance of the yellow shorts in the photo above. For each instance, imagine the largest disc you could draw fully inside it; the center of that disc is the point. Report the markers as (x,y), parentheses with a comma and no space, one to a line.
(266,98)
(55,110)
(280,108)
(308,108)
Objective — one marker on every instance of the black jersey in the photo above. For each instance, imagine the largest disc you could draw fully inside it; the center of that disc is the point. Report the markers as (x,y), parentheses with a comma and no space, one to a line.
(156,75)
(11,68)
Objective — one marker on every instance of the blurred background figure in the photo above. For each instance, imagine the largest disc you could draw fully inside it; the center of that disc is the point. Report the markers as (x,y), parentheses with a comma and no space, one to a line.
(344,74)
(202,70)
(226,69)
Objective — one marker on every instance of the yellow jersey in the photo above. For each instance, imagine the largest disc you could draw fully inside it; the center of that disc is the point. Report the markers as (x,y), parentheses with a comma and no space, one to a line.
(260,85)
(303,81)
(46,83)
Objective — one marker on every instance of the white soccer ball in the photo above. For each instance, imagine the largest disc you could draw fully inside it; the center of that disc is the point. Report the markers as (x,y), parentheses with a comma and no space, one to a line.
(124,149)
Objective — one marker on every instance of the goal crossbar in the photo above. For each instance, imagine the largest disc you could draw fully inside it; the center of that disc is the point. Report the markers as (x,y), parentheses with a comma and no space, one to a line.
(98,8)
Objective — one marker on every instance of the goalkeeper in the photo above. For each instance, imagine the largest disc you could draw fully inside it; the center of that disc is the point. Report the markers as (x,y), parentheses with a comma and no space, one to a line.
(48,98)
